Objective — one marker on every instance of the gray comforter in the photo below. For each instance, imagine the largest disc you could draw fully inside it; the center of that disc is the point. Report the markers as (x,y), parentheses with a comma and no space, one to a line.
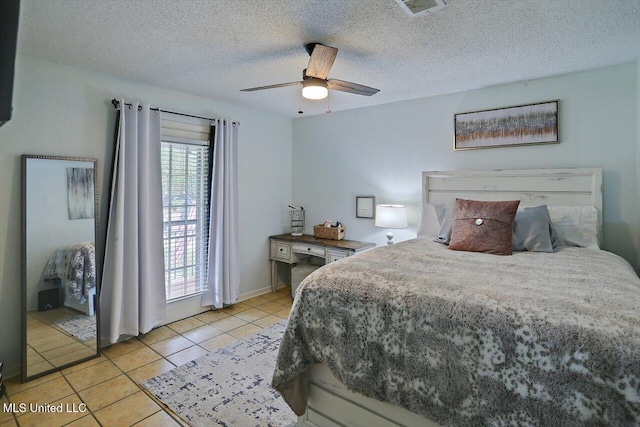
(75,265)
(464,339)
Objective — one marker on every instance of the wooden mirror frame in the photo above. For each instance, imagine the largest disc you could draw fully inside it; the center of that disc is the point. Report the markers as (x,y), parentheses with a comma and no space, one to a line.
(98,257)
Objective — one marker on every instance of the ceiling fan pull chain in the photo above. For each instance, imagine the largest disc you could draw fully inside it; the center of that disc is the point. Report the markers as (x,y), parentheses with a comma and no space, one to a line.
(300,109)
(328,105)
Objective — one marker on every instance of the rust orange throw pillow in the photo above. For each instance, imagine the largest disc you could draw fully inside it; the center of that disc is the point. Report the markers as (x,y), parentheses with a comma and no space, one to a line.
(483,226)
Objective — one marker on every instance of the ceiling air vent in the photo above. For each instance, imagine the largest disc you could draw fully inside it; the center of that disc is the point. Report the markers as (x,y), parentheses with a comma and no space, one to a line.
(420,7)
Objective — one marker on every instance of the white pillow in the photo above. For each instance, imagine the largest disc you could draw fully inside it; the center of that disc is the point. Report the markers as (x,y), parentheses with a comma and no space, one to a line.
(576,225)
(432,217)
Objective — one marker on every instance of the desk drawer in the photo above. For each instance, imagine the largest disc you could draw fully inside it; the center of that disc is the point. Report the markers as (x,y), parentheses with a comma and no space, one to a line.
(303,248)
(335,255)
(280,250)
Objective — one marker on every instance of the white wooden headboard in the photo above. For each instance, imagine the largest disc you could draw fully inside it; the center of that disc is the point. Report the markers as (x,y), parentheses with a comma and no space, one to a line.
(552,187)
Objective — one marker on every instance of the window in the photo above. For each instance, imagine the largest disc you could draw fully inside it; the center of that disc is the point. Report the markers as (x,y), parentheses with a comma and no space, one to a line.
(185,199)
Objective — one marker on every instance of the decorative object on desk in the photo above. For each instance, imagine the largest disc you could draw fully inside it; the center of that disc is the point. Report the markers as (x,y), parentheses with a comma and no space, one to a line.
(365,206)
(503,127)
(331,233)
(297,220)
(391,216)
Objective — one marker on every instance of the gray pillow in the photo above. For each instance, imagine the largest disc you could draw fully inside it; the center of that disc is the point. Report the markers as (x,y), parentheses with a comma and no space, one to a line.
(533,230)
(446,225)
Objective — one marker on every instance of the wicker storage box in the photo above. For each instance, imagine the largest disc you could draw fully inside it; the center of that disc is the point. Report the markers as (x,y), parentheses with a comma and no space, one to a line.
(332,233)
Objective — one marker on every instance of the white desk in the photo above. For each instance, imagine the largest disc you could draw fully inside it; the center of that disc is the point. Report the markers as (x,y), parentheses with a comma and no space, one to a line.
(288,249)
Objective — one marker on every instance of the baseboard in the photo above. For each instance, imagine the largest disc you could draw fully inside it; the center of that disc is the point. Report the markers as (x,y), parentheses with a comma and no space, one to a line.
(195,307)
(256,293)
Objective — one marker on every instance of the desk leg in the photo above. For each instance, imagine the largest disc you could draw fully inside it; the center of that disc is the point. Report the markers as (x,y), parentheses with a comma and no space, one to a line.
(274,275)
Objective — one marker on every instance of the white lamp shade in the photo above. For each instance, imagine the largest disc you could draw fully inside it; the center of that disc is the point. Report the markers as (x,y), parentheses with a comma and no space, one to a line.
(391,216)
(314,89)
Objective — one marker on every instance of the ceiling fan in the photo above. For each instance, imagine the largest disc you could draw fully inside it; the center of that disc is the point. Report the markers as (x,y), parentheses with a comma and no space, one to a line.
(315,84)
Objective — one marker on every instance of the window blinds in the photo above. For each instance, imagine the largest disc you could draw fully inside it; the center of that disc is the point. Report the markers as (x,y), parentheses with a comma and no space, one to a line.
(185,190)
(171,130)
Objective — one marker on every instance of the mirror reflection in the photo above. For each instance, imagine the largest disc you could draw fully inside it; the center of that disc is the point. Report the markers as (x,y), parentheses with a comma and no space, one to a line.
(59,261)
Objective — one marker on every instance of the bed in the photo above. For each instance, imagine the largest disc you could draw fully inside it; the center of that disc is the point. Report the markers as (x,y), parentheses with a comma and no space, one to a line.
(416,334)
(74,267)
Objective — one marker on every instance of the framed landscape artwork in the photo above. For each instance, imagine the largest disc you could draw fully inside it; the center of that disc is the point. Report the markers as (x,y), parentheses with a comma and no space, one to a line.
(506,127)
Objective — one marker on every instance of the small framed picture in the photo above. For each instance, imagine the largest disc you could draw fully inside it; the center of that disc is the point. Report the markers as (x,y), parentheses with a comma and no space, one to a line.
(365,206)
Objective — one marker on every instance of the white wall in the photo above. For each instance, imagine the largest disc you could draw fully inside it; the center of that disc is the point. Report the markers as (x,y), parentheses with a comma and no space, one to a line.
(48,223)
(382,150)
(63,110)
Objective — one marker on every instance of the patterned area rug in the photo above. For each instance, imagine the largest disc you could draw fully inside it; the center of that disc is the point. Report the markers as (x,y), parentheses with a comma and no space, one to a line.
(228,387)
(82,327)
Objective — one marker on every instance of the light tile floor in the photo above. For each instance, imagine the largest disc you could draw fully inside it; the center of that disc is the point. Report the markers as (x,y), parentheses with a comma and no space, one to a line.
(110,385)
(49,345)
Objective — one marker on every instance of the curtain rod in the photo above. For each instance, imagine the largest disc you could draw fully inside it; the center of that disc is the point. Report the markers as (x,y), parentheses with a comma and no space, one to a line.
(116,104)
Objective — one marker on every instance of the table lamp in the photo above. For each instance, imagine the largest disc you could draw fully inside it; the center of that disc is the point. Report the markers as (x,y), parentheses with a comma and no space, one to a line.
(391,216)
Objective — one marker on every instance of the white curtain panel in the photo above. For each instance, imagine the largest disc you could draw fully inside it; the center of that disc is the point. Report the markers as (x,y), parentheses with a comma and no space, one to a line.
(132,298)
(223,273)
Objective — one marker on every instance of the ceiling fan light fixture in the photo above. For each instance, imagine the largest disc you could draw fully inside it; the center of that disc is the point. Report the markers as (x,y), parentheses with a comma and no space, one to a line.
(314,89)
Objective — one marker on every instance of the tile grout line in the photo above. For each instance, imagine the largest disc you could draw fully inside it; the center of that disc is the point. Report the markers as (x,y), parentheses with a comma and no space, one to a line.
(110,360)
(59,398)
(15,418)
(161,406)
(139,386)
(91,412)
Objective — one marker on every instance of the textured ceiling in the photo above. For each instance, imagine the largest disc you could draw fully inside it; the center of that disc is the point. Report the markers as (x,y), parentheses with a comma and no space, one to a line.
(215,48)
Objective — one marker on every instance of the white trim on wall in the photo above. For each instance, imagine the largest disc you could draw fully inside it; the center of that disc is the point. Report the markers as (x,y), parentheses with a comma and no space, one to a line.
(177,310)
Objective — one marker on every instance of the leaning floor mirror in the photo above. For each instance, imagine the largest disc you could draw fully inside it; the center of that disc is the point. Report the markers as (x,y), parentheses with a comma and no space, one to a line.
(59,281)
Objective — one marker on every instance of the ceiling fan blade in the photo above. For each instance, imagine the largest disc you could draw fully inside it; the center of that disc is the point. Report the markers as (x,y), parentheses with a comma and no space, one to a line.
(321,61)
(343,86)
(251,89)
